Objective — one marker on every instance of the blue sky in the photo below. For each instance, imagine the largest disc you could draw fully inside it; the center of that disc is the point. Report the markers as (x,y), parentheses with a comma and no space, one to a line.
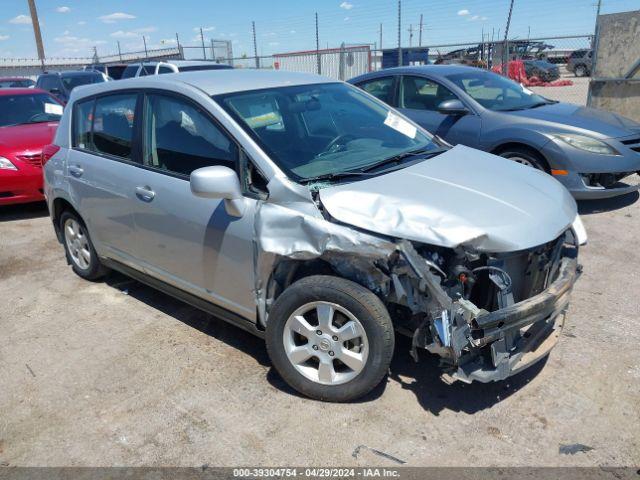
(71,28)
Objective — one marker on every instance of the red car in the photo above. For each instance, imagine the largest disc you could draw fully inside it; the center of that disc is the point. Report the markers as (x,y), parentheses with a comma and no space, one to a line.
(28,122)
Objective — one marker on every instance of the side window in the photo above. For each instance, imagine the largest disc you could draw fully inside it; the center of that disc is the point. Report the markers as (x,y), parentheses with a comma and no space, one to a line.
(113,125)
(179,137)
(422,94)
(130,71)
(82,120)
(147,70)
(381,88)
(164,69)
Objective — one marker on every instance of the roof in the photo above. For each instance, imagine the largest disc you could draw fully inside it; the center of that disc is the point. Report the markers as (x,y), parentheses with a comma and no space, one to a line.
(213,82)
(20,91)
(180,63)
(8,79)
(437,70)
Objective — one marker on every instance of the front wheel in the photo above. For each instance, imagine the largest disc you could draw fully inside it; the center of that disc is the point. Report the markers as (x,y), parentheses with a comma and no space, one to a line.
(525,157)
(329,338)
(580,71)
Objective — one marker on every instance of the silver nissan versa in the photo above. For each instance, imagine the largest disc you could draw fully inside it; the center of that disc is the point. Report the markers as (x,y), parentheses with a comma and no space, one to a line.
(310,213)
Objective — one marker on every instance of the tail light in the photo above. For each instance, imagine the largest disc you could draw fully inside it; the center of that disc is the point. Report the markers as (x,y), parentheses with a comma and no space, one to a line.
(49,151)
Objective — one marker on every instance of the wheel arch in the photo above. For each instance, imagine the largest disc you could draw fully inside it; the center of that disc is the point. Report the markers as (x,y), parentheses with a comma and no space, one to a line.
(518,145)
(59,206)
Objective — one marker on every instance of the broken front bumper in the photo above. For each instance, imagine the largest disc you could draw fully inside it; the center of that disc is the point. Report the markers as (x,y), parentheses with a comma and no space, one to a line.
(513,338)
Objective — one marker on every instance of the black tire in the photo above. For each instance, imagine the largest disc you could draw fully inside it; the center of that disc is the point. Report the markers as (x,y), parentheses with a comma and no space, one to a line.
(363,304)
(580,70)
(94,270)
(522,155)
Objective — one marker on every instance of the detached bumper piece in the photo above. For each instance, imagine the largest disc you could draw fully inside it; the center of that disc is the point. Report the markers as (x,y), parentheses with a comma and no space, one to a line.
(515,337)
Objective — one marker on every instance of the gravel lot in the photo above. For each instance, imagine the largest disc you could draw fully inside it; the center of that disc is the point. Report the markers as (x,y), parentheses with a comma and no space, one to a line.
(115,373)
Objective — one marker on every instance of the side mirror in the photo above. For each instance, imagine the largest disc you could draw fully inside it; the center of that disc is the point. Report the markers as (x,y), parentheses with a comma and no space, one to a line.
(453,107)
(221,183)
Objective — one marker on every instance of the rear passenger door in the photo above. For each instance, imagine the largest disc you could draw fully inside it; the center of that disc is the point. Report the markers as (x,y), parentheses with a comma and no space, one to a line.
(383,88)
(184,240)
(102,167)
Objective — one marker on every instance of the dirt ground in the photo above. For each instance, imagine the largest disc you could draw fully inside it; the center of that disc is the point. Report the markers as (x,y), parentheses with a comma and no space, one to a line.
(116,373)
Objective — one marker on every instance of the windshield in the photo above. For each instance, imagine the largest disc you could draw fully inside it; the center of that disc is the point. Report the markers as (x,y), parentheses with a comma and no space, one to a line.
(23,109)
(17,83)
(496,92)
(322,129)
(72,81)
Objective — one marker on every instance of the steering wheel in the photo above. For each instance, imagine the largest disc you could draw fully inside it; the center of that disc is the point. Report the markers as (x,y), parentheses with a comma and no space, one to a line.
(38,116)
(333,145)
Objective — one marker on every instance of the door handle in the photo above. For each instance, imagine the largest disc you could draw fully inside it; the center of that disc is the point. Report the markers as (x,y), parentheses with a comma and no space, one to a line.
(76,170)
(145,193)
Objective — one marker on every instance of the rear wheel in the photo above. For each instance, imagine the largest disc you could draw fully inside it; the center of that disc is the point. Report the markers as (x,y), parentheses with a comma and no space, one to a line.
(79,249)
(526,157)
(329,338)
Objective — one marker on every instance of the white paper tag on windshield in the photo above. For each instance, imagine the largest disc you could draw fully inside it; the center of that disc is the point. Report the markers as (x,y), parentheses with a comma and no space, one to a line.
(53,109)
(401,125)
(526,90)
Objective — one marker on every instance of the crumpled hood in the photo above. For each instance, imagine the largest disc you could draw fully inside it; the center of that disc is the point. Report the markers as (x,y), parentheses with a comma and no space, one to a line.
(609,124)
(461,197)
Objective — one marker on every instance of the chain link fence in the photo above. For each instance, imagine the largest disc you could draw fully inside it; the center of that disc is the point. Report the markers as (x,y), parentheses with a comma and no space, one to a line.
(556,67)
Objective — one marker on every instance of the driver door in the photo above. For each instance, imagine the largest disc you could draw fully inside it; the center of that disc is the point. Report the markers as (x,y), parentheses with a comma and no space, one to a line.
(419,98)
(184,240)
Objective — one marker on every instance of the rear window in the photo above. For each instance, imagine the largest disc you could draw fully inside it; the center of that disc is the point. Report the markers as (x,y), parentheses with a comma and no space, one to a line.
(17,83)
(130,71)
(72,81)
(106,125)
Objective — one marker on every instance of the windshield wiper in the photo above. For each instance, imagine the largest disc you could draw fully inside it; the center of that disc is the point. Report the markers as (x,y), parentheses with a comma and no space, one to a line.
(338,175)
(528,107)
(398,158)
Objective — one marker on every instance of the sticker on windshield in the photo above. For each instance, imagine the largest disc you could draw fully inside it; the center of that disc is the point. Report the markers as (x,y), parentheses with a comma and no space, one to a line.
(400,125)
(526,90)
(52,109)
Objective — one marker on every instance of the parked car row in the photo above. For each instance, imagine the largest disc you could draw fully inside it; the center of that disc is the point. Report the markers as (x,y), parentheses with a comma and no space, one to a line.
(323,217)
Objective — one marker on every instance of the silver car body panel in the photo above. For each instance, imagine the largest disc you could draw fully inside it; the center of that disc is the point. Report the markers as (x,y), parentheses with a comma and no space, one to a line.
(460,198)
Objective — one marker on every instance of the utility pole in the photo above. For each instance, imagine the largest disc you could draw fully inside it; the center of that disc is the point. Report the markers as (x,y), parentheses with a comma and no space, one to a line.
(318,59)
(144,40)
(505,48)
(119,51)
(213,50)
(380,36)
(204,50)
(410,30)
(399,33)
(599,7)
(179,46)
(255,45)
(36,31)
(420,34)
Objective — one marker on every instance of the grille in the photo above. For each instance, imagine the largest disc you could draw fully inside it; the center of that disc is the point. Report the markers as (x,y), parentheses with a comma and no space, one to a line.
(34,159)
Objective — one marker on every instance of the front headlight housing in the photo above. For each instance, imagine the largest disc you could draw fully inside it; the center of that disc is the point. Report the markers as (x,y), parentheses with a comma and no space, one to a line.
(5,164)
(588,144)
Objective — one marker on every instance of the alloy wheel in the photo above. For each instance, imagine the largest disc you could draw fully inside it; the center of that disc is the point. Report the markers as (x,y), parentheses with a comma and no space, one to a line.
(326,343)
(77,243)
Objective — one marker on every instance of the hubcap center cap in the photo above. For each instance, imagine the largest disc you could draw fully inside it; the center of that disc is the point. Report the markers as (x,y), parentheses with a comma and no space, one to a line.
(325,344)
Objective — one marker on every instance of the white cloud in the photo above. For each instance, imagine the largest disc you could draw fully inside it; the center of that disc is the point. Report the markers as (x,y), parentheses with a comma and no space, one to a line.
(82,22)
(463,12)
(274,44)
(292,32)
(204,29)
(115,17)
(63,9)
(346,19)
(123,34)
(77,42)
(21,20)
(4,37)
(133,33)
(346,5)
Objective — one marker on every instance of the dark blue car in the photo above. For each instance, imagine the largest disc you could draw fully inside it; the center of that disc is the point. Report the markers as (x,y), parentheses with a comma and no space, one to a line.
(590,151)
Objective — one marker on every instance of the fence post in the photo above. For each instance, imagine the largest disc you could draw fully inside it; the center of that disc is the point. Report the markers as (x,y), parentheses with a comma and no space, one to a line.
(505,49)
(255,45)
(399,33)
(319,60)
(342,61)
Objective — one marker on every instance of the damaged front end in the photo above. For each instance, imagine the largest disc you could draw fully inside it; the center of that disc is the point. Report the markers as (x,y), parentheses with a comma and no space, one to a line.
(487,316)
